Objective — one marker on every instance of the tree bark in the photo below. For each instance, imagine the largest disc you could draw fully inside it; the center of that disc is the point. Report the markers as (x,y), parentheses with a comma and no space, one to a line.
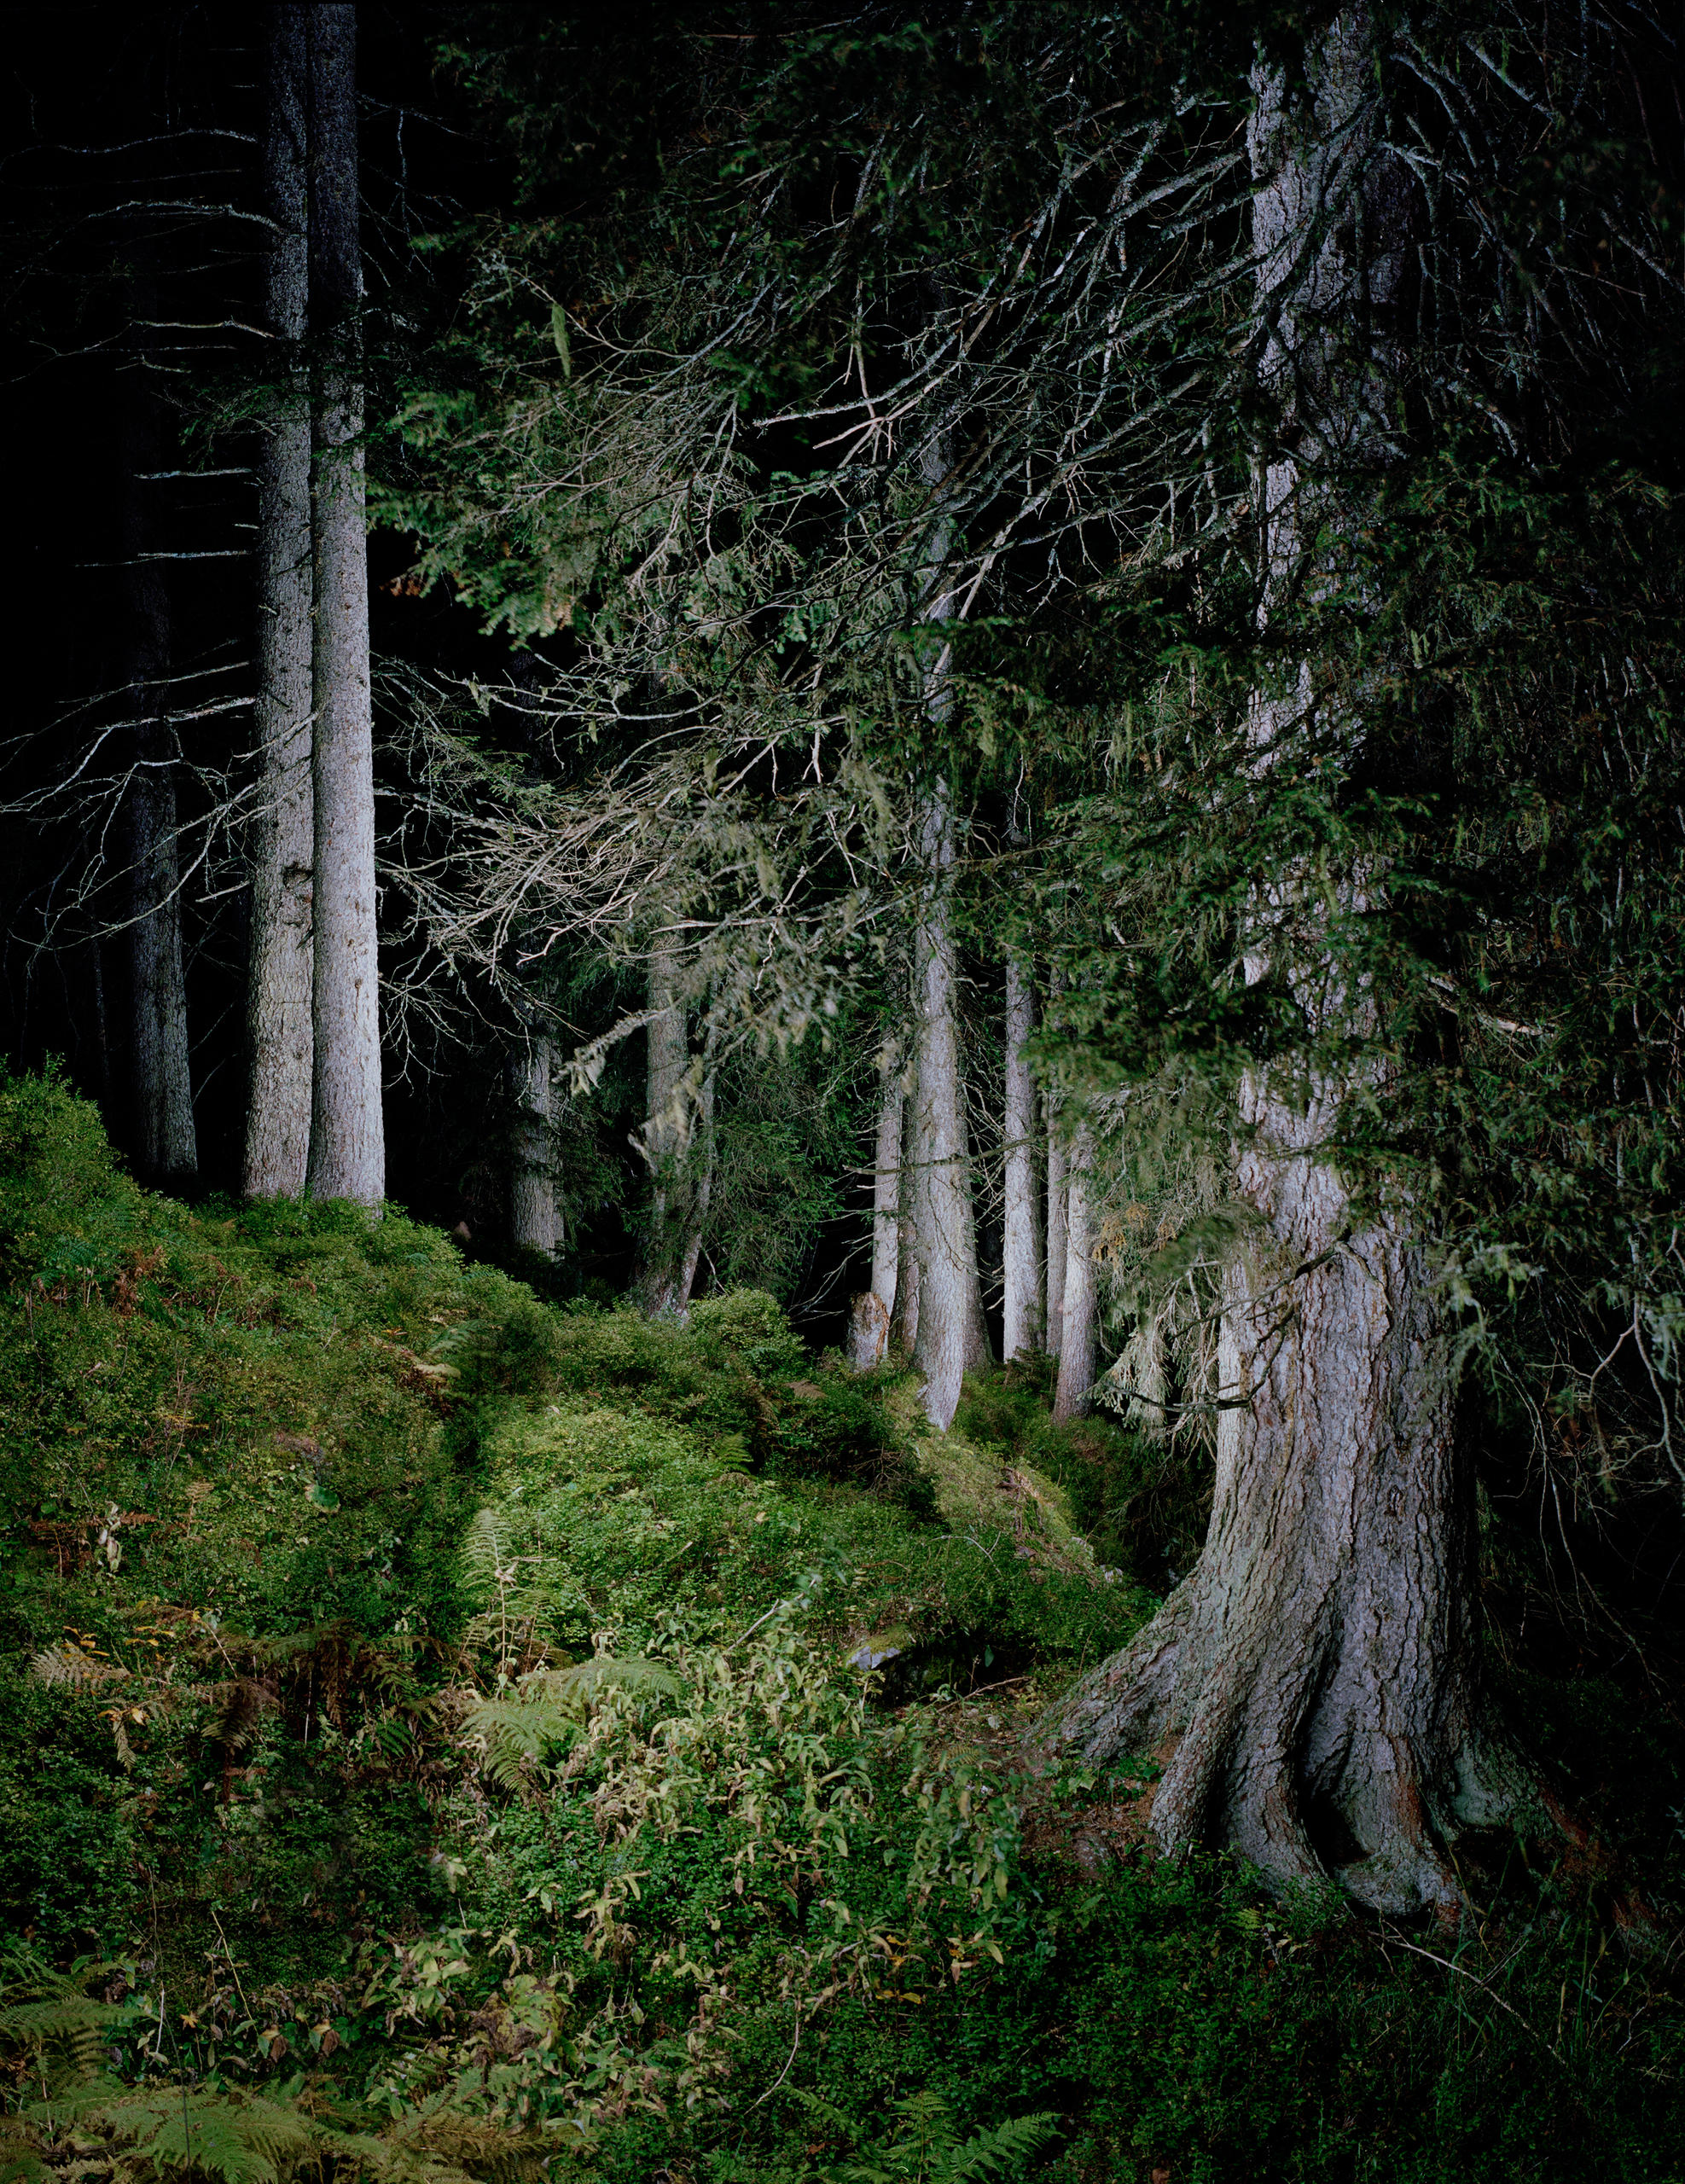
(873,1313)
(278,993)
(166,1145)
(1059,1200)
(903,1326)
(952,1339)
(1023,1310)
(1319,1667)
(665,1132)
(886,1182)
(701,1193)
(347,1143)
(1073,1395)
(534,1221)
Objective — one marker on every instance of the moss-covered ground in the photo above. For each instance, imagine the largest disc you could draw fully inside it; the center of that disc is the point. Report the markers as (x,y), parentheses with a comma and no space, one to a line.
(442,1736)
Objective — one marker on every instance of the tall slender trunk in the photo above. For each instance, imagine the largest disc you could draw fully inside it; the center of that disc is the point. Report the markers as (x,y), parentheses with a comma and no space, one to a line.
(1024,1309)
(665,1132)
(1319,1666)
(1073,1395)
(874,1311)
(279,981)
(952,1337)
(162,1132)
(701,1194)
(534,1220)
(1059,1202)
(347,1138)
(903,1326)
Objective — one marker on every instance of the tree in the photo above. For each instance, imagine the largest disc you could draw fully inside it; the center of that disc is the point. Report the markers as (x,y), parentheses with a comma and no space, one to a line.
(1024,1324)
(1073,1389)
(281,973)
(1322,1653)
(347,1145)
(166,1143)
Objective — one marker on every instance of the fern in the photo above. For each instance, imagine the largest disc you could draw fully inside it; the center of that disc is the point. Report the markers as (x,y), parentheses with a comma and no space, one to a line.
(927,2148)
(550,1708)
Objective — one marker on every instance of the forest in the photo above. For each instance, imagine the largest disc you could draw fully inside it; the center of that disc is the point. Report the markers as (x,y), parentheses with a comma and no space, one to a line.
(842,935)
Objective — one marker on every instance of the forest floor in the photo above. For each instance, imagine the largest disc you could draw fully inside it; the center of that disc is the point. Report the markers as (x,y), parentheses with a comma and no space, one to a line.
(446,1736)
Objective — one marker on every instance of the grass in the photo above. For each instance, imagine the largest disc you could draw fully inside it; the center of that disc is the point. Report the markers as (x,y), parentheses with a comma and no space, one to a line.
(433,1743)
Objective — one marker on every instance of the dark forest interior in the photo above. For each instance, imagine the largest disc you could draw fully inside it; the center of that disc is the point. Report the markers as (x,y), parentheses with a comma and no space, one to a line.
(842,923)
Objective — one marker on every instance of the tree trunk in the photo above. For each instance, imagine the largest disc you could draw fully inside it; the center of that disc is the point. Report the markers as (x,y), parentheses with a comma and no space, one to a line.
(903,1326)
(278,994)
(1319,1667)
(162,1127)
(874,1312)
(1059,1198)
(700,1192)
(951,1338)
(347,1141)
(665,1132)
(534,1221)
(1073,1396)
(1024,1316)
(886,1182)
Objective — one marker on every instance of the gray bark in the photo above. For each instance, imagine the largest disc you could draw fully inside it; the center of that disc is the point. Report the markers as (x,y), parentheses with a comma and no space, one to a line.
(873,1311)
(1318,1670)
(952,1338)
(1073,1393)
(700,1196)
(165,1146)
(903,1326)
(279,981)
(534,1219)
(347,1141)
(1059,1198)
(1024,1309)
(665,1131)
(886,1182)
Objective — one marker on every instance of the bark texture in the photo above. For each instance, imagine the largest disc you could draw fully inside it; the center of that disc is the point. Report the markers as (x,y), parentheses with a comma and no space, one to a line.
(166,1145)
(886,1182)
(1059,1198)
(871,1313)
(1319,1667)
(1073,1392)
(347,1141)
(1023,1312)
(278,993)
(666,1133)
(534,1219)
(952,1338)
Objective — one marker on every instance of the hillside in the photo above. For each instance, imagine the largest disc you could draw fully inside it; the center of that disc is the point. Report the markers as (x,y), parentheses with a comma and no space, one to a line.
(445,1736)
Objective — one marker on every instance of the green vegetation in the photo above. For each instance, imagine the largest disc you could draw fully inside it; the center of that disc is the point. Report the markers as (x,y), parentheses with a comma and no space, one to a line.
(446,1737)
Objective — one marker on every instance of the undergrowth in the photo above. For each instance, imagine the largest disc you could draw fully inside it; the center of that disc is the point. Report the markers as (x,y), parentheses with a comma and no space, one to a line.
(443,1736)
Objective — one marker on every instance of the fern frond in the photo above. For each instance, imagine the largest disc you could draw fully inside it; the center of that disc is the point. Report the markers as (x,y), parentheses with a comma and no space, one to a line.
(73,1668)
(545,1715)
(996,2152)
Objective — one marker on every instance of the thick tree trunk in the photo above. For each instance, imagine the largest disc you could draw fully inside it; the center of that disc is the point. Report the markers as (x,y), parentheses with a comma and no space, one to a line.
(1318,1670)
(534,1221)
(278,993)
(1073,1395)
(347,1138)
(952,1338)
(1059,1201)
(161,1130)
(665,1131)
(1023,1310)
